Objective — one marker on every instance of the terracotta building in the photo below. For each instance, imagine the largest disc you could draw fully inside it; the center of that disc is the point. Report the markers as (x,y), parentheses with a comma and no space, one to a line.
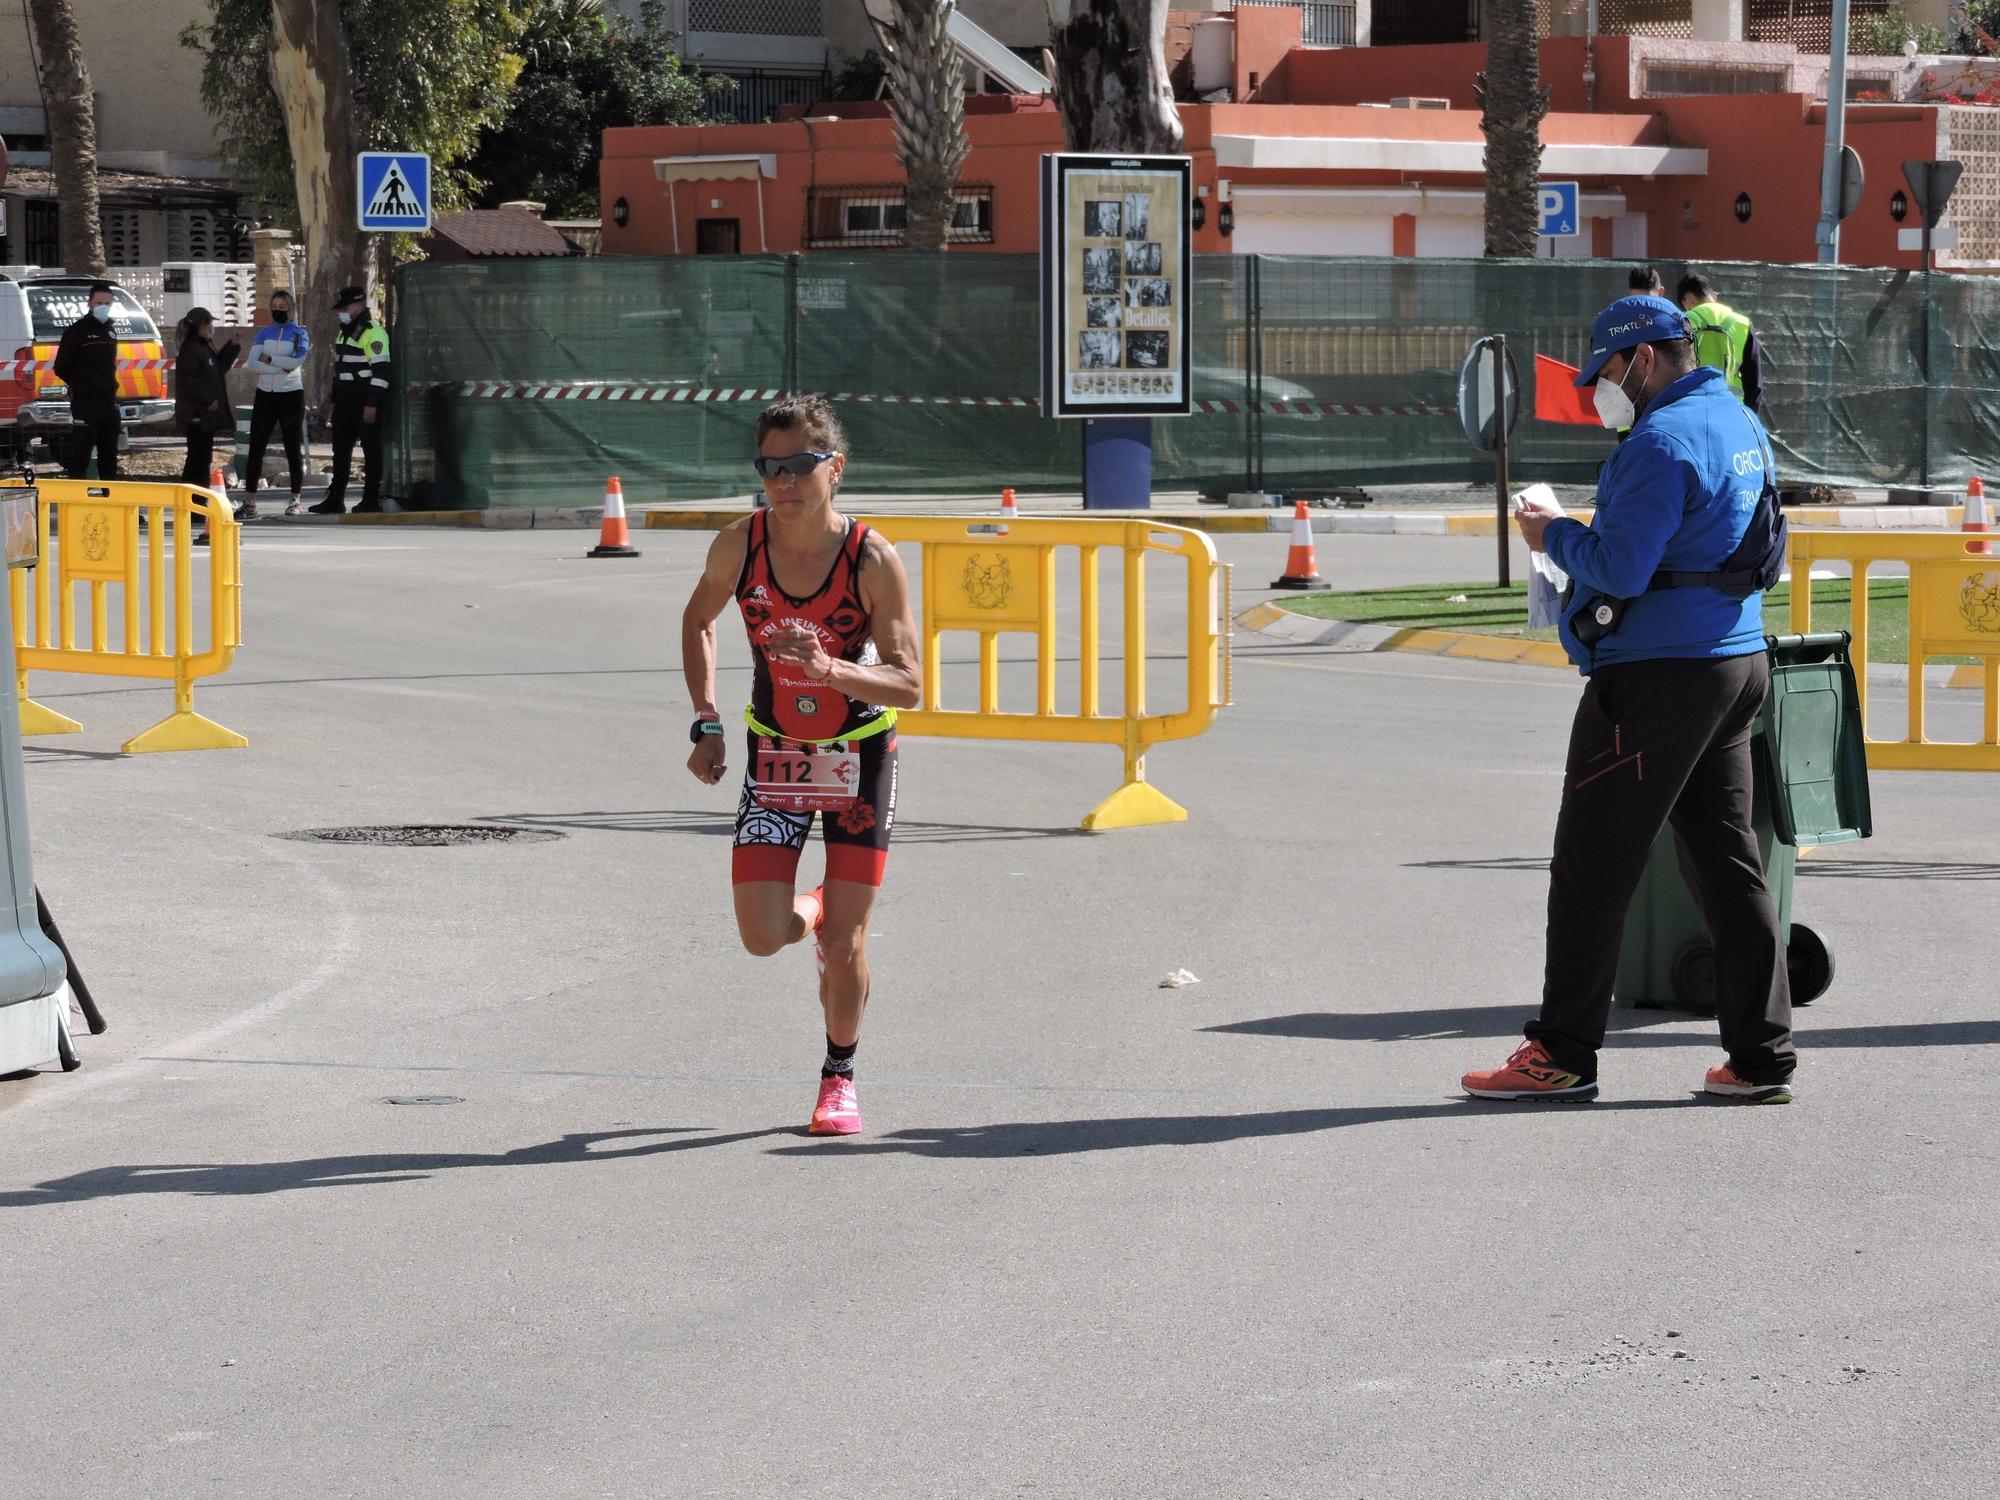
(1682,149)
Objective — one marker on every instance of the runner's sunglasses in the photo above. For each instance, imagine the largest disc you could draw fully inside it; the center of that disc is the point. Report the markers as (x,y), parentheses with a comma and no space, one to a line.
(798,465)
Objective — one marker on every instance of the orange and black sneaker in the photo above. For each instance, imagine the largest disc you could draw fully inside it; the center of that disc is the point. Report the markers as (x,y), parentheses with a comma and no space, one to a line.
(1724,1084)
(1529,1074)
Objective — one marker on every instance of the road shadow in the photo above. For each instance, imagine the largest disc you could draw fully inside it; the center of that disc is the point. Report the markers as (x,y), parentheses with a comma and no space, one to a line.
(1628,1028)
(60,755)
(714,824)
(255,1179)
(1812,867)
(1076,1137)
(1463,1021)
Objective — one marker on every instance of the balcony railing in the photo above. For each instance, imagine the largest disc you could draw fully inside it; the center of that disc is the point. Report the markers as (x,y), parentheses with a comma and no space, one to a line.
(1322,24)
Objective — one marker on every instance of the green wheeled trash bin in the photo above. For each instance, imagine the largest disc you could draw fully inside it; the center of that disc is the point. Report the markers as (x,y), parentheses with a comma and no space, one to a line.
(1810,768)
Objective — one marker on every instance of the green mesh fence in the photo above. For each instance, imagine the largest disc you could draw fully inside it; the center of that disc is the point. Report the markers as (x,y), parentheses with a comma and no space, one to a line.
(526,383)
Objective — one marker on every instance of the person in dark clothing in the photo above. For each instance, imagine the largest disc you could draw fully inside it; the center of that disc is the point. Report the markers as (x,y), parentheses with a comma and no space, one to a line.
(360,391)
(201,393)
(87,362)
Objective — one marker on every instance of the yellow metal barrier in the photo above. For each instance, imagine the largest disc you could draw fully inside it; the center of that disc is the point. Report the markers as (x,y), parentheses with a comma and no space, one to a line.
(138,539)
(1954,611)
(991,585)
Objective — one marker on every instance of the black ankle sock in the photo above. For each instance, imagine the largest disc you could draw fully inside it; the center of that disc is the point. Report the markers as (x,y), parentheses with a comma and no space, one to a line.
(839,1060)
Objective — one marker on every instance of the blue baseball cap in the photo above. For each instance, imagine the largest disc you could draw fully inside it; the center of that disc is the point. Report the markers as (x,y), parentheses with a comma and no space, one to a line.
(1628,322)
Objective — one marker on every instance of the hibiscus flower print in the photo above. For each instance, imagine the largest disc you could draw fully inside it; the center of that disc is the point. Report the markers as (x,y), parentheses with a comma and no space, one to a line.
(859,818)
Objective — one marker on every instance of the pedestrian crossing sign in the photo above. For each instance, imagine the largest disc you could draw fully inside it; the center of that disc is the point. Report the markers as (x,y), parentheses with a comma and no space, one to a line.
(395,190)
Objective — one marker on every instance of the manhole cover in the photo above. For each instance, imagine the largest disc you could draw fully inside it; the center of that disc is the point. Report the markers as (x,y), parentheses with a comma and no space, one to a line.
(425,835)
(423,1099)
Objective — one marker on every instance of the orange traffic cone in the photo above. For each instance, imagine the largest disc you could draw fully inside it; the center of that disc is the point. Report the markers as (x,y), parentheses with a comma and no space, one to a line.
(612,538)
(1302,565)
(1009,511)
(1977,517)
(217,481)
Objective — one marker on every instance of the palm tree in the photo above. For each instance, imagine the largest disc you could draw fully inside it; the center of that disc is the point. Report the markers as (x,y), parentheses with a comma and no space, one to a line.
(72,135)
(927,101)
(1512,102)
(1111,75)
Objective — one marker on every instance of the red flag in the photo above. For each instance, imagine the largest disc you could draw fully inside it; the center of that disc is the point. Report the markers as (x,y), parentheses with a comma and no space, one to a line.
(1556,397)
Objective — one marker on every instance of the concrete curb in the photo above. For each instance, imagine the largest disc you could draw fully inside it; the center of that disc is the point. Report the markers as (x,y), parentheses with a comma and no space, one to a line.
(1347,636)
(565,518)
(1217,523)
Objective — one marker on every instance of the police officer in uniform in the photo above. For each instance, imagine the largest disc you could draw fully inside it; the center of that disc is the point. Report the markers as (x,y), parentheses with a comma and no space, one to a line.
(1666,623)
(360,391)
(1724,340)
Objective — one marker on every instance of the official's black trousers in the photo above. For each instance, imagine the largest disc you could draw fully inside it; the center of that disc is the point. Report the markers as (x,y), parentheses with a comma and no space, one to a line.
(200,465)
(283,412)
(1657,742)
(95,431)
(347,426)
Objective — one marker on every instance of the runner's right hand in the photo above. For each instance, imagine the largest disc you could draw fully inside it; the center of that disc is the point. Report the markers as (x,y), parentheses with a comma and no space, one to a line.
(710,759)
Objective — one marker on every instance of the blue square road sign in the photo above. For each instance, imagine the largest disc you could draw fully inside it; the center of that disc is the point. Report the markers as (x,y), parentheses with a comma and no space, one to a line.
(395,191)
(1560,214)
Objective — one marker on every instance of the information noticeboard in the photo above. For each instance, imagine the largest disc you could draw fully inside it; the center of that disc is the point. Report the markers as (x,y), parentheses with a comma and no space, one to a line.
(1117,269)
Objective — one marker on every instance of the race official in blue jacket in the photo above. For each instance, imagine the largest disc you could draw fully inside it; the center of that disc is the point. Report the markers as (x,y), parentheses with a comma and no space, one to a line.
(1665,620)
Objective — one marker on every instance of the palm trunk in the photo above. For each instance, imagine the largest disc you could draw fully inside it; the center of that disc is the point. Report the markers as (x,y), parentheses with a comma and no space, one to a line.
(72,135)
(927,100)
(311,71)
(1512,102)
(1111,76)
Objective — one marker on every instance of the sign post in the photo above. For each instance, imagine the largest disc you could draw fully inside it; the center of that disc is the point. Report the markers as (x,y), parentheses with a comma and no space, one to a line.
(1117,267)
(1931,183)
(1489,403)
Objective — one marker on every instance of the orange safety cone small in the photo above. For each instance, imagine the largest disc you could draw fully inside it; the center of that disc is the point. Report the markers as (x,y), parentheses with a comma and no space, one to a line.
(1009,511)
(1978,519)
(1302,564)
(612,538)
(217,481)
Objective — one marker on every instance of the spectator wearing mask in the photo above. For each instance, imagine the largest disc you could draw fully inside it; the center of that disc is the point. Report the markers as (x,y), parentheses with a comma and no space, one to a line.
(87,362)
(201,393)
(278,352)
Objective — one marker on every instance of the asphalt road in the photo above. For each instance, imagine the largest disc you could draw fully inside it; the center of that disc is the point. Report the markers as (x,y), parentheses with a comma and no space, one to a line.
(1101,1238)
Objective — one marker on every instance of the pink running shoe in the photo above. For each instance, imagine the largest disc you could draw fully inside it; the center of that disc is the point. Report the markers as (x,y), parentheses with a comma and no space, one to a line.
(839,1109)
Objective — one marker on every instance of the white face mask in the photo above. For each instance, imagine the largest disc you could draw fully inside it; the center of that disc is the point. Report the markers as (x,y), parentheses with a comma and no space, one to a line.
(1614,408)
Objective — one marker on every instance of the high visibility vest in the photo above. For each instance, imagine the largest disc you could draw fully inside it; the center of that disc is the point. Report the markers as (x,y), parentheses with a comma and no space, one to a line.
(361,365)
(1721,335)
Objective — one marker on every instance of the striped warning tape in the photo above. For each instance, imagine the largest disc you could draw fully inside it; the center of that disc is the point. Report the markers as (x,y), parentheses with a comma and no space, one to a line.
(33,366)
(676,392)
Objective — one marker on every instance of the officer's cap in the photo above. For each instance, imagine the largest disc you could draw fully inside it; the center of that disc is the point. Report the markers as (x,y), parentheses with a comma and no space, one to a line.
(1627,323)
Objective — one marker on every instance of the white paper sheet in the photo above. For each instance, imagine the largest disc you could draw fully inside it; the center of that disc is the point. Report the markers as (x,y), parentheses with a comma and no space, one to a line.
(1546,581)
